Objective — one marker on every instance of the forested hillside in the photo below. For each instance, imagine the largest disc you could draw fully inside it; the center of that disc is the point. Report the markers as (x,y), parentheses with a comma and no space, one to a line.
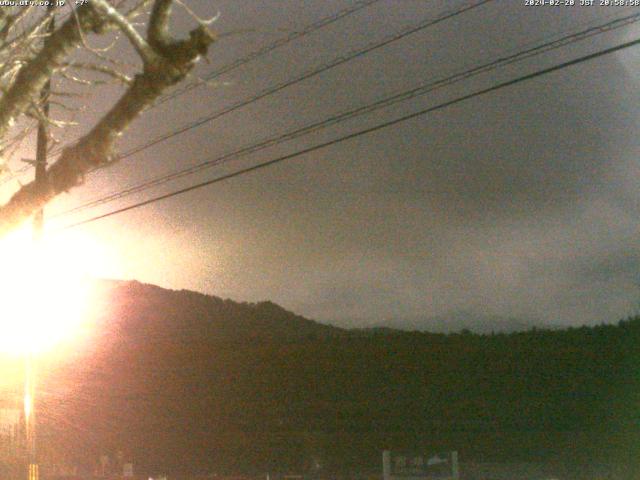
(266,390)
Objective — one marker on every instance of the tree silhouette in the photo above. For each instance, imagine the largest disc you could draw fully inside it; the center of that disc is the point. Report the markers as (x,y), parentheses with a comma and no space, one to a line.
(26,68)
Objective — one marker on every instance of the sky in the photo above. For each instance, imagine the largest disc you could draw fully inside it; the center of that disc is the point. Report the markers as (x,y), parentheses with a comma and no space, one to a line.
(519,204)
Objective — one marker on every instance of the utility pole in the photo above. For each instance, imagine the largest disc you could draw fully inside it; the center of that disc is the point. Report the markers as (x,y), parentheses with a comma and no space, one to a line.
(33,470)
(41,142)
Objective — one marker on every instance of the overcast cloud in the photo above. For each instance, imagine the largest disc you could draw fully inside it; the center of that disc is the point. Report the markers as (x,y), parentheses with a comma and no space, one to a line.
(522,203)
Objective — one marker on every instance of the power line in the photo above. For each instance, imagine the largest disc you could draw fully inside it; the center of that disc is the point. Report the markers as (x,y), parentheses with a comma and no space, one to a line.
(365,131)
(270,47)
(323,22)
(354,54)
(427,23)
(15,173)
(382,103)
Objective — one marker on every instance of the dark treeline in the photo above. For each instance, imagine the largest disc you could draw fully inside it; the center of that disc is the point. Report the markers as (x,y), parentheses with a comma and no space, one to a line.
(187,382)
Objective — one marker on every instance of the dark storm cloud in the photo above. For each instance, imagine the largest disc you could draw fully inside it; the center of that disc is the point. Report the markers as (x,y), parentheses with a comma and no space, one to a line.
(518,203)
(512,153)
(490,174)
(624,264)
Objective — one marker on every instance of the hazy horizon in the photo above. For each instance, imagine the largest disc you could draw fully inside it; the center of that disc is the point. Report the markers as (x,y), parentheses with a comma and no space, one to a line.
(522,203)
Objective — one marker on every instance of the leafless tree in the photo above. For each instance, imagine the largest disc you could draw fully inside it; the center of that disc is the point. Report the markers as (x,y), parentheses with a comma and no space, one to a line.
(30,53)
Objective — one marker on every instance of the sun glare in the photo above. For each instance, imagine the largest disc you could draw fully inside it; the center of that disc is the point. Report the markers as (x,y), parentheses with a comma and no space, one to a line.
(44,294)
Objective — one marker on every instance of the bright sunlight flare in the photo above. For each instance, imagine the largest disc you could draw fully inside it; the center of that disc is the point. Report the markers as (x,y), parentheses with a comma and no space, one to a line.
(44,294)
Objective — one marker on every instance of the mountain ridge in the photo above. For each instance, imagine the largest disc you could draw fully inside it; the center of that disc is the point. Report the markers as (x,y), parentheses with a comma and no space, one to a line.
(200,384)
(447,323)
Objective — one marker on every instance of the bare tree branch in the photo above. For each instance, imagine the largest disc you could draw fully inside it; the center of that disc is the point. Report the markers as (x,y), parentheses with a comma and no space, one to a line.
(35,73)
(28,34)
(158,31)
(200,20)
(145,51)
(170,62)
(101,69)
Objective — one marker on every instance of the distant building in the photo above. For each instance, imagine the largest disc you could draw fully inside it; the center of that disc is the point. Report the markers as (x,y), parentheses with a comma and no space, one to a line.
(12,440)
(420,466)
(10,426)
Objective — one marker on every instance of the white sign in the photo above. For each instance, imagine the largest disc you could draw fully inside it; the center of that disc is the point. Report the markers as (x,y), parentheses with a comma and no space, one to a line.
(127,470)
(420,466)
